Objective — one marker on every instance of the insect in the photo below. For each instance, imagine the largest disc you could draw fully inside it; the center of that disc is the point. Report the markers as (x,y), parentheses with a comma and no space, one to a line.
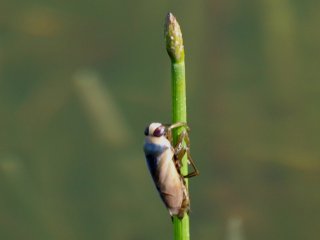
(164,162)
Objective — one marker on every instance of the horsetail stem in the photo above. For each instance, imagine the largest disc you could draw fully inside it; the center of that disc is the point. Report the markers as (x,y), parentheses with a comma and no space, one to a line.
(175,49)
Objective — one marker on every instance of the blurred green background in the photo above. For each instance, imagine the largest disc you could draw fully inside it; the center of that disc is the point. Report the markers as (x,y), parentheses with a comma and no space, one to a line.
(80,80)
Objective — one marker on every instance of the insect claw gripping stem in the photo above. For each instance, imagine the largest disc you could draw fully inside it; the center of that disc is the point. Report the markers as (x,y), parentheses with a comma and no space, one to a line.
(170,127)
(180,151)
(196,171)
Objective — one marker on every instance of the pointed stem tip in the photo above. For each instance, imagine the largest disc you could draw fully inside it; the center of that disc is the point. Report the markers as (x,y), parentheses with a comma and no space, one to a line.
(174,41)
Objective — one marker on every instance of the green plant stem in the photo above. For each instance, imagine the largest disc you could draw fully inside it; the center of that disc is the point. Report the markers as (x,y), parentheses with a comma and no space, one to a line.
(181,227)
(179,106)
(175,49)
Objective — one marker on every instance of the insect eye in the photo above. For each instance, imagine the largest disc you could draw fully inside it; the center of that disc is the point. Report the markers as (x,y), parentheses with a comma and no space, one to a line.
(158,132)
(146,131)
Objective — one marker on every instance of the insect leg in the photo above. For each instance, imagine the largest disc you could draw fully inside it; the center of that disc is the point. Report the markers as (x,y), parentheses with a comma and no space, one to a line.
(181,150)
(178,124)
(195,169)
(172,126)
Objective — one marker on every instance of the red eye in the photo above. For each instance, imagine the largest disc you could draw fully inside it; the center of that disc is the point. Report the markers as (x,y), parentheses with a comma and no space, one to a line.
(159,131)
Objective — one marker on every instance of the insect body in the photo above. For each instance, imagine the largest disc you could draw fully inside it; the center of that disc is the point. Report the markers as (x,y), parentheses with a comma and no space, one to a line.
(164,162)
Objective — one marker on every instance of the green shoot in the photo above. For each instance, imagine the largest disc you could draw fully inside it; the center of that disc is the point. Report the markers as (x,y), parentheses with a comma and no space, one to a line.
(175,49)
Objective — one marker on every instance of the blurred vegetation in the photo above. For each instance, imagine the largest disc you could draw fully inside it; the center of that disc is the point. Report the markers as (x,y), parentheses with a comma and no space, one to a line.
(80,80)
